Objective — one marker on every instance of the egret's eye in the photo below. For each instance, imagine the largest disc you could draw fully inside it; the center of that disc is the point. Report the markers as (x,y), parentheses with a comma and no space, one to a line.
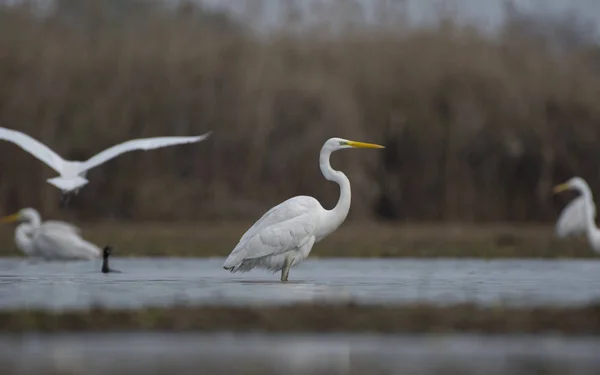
(343,143)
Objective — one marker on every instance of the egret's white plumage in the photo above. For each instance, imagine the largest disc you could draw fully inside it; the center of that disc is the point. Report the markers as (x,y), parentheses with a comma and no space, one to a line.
(572,219)
(50,240)
(285,235)
(579,216)
(72,173)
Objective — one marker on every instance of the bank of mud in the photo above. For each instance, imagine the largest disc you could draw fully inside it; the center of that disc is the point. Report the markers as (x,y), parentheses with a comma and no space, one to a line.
(418,318)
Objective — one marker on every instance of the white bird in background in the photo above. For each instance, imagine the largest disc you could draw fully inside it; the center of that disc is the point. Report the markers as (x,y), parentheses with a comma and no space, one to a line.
(72,173)
(285,235)
(51,240)
(579,216)
(571,221)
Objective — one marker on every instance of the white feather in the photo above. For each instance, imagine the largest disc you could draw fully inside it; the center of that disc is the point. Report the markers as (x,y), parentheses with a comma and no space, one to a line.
(579,216)
(72,173)
(572,220)
(60,243)
(34,147)
(285,234)
(51,240)
(287,227)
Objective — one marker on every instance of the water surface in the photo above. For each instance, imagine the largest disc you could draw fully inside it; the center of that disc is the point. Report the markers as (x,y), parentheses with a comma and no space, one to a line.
(191,353)
(166,281)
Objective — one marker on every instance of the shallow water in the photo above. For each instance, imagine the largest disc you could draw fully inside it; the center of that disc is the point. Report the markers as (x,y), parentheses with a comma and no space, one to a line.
(187,353)
(165,281)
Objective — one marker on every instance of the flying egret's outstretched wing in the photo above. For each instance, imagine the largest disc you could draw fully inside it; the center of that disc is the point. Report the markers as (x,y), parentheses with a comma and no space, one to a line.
(34,147)
(285,227)
(137,144)
(572,221)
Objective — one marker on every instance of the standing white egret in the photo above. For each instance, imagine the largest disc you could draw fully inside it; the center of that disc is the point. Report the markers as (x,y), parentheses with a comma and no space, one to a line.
(51,240)
(581,214)
(572,219)
(72,173)
(285,235)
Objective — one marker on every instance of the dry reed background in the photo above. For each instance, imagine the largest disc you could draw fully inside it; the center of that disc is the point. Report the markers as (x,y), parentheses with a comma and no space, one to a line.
(476,129)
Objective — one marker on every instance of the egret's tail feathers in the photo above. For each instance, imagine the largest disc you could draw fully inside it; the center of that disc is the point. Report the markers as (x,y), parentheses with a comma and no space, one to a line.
(89,250)
(68,184)
(231,264)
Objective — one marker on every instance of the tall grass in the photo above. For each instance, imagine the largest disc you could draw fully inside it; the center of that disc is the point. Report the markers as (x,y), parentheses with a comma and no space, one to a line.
(476,128)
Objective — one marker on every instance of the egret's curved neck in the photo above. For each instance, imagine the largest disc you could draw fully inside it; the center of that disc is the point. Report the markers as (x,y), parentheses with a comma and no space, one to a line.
(34,220)
(336,216)
(591,228)
(24,233)
(24,237)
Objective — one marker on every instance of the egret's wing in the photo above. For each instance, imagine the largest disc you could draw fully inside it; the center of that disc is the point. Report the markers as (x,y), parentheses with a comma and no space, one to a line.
(58,242)
(137,144)
(285,227)
(286,210)
(61,226)
(275,239)
(572,220)
(34,147)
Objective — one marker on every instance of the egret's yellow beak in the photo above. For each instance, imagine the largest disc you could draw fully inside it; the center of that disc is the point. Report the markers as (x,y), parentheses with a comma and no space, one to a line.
(363,145)
(561,187)
(10,218)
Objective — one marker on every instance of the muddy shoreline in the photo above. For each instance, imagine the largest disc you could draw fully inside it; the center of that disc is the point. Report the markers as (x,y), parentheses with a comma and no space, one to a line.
(320,318)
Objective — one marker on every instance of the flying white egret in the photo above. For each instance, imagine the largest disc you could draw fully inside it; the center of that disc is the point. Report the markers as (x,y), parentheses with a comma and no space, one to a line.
(285,235)
(51,240)
(72,173)
(579,216)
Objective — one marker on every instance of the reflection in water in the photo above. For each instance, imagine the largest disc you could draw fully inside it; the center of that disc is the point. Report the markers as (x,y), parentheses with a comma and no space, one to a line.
(184,353)
(166,281)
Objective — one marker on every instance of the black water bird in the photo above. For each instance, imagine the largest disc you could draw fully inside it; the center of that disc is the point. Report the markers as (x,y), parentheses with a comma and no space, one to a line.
(105,254)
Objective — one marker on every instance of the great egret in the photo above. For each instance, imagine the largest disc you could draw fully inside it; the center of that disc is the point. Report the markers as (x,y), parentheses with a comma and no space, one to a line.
(51,240)
(72,173)
(105,254)
(580,217)
(285,235)
(571,221)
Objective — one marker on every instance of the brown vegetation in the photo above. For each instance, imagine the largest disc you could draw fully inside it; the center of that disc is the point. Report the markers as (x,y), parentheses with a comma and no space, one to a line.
(475,128)
(350,240)
(316,318)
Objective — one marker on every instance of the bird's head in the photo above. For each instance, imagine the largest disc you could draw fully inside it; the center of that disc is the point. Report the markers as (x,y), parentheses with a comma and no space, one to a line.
(576,183)
(107,250)
(25,214)
(334,144)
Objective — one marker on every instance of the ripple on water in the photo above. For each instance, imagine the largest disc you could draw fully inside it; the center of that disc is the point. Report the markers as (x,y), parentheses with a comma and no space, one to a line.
(166,281)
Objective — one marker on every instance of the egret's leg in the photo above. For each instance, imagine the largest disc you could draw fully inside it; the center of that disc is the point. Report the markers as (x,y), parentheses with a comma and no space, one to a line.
(286,270)
(64,199)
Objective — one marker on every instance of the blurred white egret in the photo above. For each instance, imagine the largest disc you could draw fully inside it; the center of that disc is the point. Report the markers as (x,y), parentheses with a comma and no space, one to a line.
(285,235)
(579,216)
(571,221)
(72,173)
(51,240)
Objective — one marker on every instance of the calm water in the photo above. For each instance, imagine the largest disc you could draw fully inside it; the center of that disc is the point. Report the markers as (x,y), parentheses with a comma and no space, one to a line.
(165,281)
(188,353)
